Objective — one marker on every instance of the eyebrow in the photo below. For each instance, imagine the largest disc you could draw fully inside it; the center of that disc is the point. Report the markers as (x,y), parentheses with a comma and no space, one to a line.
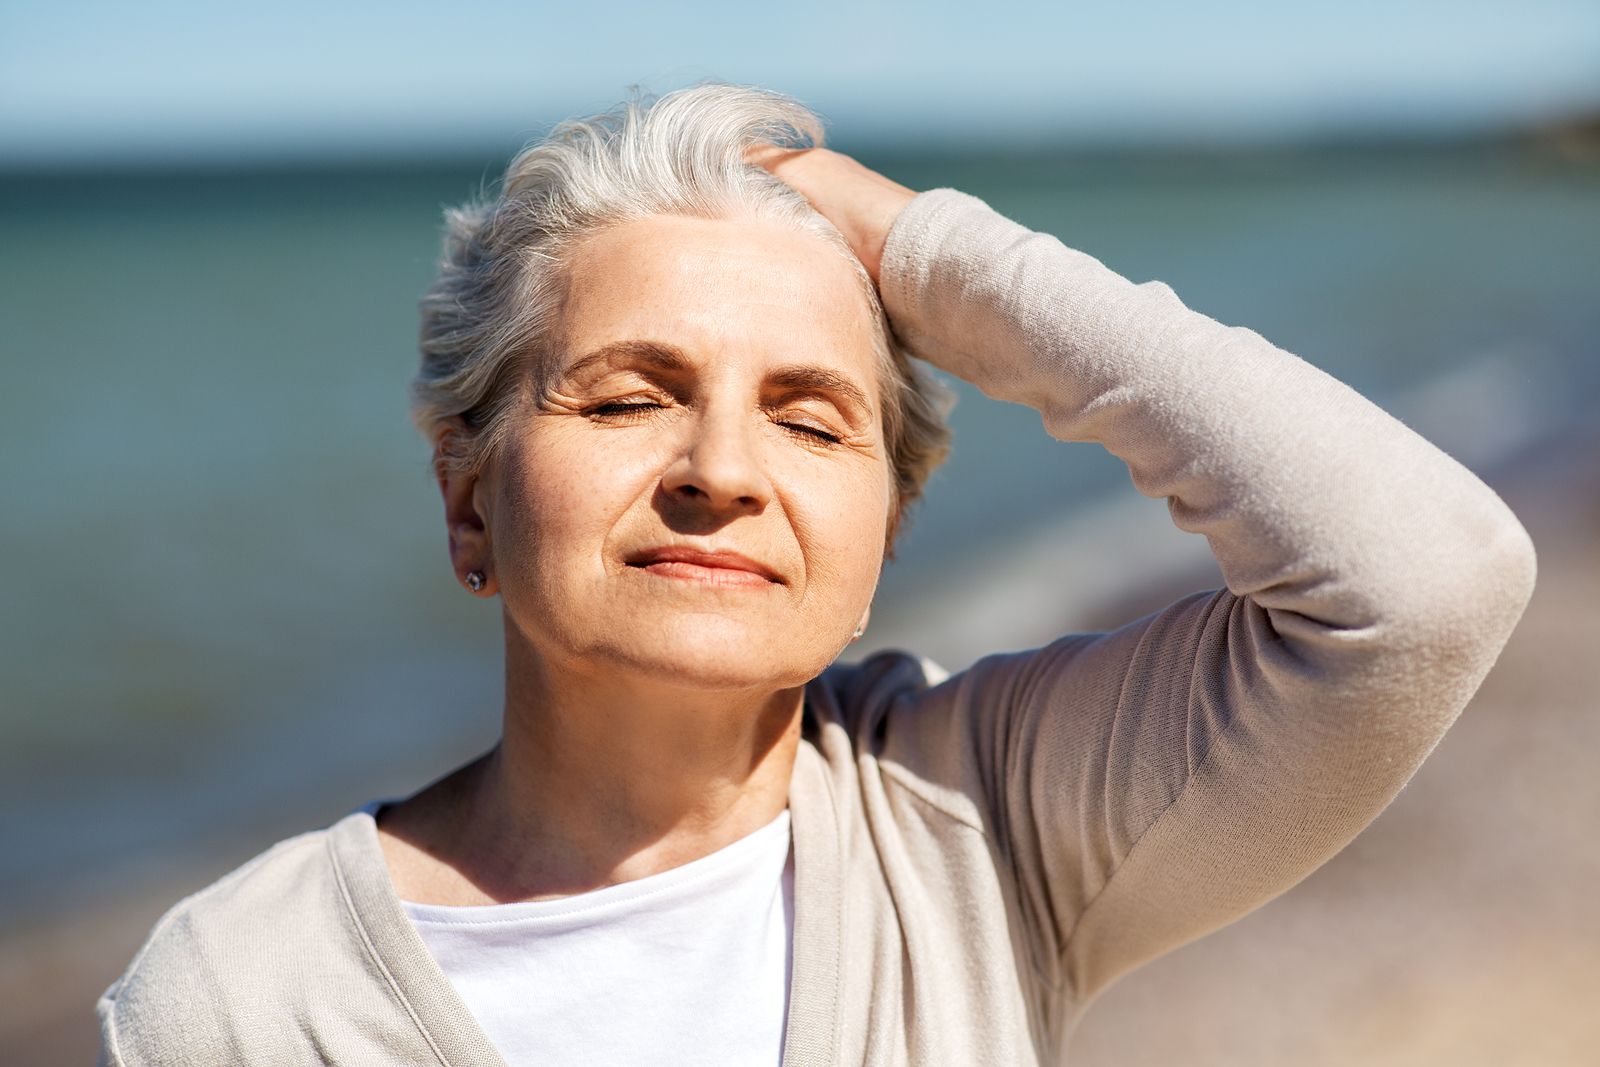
(660,355)
(657,354)
(805,379)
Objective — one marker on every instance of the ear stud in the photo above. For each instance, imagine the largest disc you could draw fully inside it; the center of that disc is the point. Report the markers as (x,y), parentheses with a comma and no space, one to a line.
(475,581)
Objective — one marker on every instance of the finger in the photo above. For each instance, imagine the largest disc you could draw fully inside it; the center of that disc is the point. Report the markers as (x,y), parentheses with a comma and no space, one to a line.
(771,156)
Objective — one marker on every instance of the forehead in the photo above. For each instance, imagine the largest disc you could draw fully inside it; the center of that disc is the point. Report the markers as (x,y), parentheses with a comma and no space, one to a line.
(732,292)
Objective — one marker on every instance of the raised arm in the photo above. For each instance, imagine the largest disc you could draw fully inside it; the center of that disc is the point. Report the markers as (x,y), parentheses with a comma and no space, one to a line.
(1146,786)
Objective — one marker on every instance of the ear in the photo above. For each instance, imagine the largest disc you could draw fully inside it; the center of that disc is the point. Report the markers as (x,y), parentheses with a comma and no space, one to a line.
(861,627)
(466,519)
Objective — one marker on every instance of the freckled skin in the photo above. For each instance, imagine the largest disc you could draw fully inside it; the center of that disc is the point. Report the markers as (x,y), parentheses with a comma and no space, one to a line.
(707,458)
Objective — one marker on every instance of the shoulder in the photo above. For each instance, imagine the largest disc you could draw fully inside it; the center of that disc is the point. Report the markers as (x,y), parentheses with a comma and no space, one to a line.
(856,691)
(226,955)
(913,688)
(887,718)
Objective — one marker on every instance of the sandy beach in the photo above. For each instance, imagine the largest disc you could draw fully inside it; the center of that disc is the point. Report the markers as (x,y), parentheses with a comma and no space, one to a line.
(1459,929)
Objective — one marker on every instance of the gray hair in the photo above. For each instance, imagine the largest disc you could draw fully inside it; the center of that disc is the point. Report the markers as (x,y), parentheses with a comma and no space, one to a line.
(489,318)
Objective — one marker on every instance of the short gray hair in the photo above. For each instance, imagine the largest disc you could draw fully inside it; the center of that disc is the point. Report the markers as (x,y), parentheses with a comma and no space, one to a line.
(489,317)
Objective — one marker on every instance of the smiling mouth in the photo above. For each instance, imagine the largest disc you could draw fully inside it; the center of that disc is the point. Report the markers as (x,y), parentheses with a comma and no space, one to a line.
(719,568)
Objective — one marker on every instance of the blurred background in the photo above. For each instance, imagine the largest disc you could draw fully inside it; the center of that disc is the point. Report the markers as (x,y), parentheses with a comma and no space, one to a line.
(228,611)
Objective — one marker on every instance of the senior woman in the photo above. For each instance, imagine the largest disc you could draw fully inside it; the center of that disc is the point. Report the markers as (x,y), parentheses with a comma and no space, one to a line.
(665,372)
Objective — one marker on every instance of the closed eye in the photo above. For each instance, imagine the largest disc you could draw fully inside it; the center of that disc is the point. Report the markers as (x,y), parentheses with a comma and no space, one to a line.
(622,409)
(806,429)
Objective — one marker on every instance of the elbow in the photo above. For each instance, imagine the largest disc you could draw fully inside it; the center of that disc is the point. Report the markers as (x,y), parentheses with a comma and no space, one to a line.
(1515,570)
(1472,610)
(1501,578)
(1409,677)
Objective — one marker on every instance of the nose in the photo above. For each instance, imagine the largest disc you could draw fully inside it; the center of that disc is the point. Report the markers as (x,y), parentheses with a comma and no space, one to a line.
(720,467)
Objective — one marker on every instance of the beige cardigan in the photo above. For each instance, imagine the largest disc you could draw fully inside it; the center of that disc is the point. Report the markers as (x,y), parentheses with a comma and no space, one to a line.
(977,858)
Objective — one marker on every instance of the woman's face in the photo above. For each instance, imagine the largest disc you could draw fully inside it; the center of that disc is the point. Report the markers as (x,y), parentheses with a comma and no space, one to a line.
(699,491)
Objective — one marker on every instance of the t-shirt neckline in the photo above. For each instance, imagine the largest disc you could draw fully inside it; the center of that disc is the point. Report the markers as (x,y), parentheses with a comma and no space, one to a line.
(736,854)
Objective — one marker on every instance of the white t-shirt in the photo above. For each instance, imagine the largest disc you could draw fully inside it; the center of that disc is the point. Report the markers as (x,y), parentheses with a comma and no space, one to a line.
(689,966)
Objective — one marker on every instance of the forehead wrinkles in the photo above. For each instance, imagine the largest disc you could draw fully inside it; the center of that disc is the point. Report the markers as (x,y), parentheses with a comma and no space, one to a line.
(549,346)
(602,280)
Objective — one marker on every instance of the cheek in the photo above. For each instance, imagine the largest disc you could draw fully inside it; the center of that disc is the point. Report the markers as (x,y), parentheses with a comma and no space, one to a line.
(560,500)
(842,528)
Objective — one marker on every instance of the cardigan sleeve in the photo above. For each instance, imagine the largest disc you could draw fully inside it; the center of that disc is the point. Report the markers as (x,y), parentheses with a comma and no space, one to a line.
(1143,787)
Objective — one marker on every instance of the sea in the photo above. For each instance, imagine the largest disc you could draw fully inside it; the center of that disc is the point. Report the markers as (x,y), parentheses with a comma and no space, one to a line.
(228,610)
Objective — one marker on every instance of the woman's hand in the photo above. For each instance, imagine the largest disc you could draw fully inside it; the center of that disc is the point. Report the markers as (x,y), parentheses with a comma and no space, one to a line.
(859,201)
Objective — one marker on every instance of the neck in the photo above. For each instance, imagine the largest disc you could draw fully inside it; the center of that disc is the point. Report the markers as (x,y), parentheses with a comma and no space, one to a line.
(603,777)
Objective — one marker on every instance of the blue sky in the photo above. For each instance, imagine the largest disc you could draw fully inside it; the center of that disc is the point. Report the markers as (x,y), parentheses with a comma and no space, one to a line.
(163,79)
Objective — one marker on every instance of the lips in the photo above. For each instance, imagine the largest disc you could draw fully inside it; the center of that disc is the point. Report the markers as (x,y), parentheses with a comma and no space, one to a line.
(715,566)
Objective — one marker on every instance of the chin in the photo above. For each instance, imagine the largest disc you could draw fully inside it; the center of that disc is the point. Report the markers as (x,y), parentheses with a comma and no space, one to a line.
(720,654)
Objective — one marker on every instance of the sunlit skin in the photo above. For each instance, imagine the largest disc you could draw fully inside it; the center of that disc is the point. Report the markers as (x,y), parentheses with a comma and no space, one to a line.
(685,525)
(718,393)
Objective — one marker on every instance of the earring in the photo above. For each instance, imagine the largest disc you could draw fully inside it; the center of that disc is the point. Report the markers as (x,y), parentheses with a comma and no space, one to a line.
(475,581)
(859,631)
